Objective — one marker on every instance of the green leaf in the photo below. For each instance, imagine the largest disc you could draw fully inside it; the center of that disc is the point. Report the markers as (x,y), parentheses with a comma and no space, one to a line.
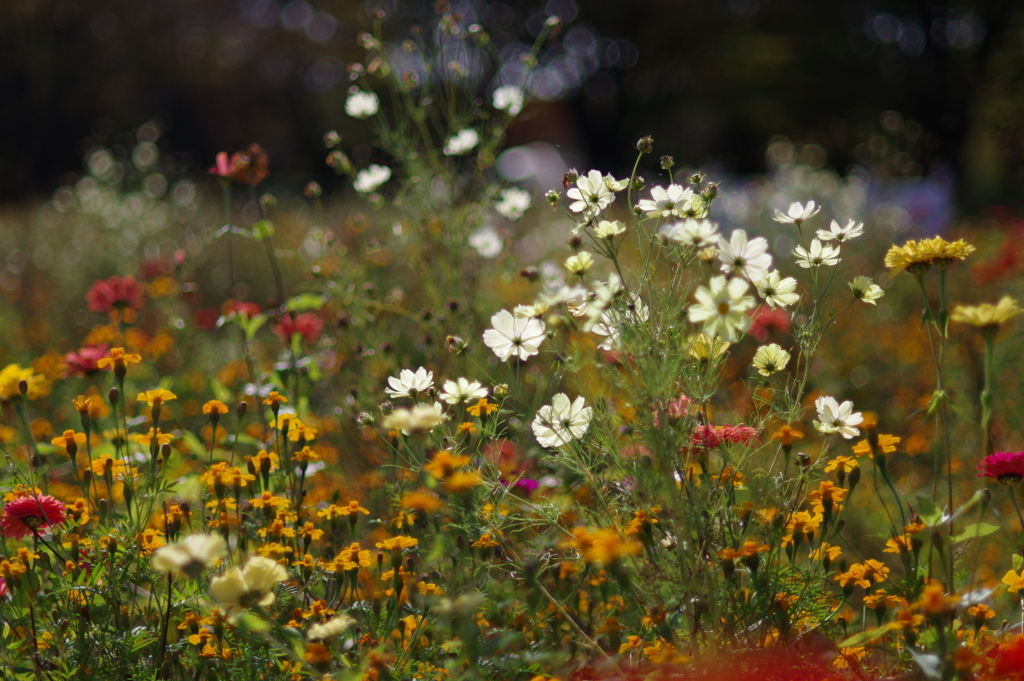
(194,444)
(220,391)
(864,637)
(250,622)
(253,324)
(929,513)
(305,301)
(973,531)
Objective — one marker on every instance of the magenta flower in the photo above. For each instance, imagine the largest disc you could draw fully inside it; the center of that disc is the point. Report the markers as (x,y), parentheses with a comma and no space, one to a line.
(1006,467)
(709,436)
(83,362)
(222,168)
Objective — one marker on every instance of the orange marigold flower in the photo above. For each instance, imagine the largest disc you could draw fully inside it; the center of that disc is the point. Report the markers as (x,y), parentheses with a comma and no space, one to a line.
(154,433)
(398,543)
(215,407)
(117,360)
(69,439)
(786,434)
(887,443)
(482,407)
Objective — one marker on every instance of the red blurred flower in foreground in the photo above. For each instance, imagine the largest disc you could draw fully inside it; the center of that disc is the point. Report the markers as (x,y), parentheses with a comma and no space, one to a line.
(713,436)
(83,362)
(1009,659)
(1006,467)
(115,293)
(765,320)
(307,324)
(25,515)
(239,307)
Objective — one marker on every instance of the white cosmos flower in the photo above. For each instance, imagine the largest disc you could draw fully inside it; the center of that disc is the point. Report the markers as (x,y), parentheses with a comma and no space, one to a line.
(609,229)
(486,241)
(408,383)
(513,336)
(690,232)
(514,202)
(671,200)
(508,98)
(561,422)
(332,628)
(580,263)
(723,308)
(462,390)
(461,142)
(370,179)
(851,230)
(797,213)
(362,104)
(591,195)
(777,291)
(615,185)
(613,320)
(192,555)
(420,419)
(250,585)
(837,418)
(770,358)
(744,258)
(819,254)
(604,294)
(865,289)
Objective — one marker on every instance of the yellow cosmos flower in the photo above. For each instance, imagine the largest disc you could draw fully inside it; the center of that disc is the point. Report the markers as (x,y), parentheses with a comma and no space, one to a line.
(919,256)
(986,315)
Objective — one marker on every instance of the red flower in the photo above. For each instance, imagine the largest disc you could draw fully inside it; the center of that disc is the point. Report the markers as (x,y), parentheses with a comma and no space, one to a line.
(1009,658)
(710,436)
(25,515)
(1006,467)
(239,307)
(82,362)
(765,319)
(114,293)
(250,167)
(307,324)
(3,588)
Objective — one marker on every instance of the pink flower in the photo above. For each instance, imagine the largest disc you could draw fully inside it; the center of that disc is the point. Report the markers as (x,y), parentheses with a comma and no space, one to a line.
(675,410)
(115,293)
(765,320)
(82,362)
(307,324)
(222,168)
(1006,467)
(26,515)
(709,436)
(239,307)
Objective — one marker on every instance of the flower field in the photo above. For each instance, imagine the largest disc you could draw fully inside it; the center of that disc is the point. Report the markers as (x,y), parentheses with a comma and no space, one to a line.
(427,424)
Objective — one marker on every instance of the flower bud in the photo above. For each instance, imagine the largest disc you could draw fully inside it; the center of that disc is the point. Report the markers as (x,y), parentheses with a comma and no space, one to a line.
(268,200)
(114,396)
(23,387)
(645,144)
(312,190)
(667,162)
(332,139)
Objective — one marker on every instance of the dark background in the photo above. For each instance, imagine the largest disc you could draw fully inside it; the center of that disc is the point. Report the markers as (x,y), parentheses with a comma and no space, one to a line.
(897,86)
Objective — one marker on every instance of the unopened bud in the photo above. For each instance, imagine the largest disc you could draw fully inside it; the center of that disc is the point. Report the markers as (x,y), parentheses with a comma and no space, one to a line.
(332,139)
(530,274)
(312,190)
(645,144)
(241,409)
(23,387)
(667,162)
(268,200)
(114,396)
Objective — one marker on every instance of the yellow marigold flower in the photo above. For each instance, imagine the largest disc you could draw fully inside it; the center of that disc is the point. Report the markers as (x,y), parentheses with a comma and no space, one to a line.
(841,463)
(786,434)
(898,544)
(275,399)
(215,407)
(485,541)
(826,550)
(421,501)
(661,652)
(847,655)
(429,589)
(353,507)
(1014,581)
(456,483)
(267,499)
(986,315)
(887,443)
(981,611)
(398,543)
(934,601)
(69,438)
(154,433)
(297,430)
(87,404)
(310,530)
(117,360)
(317,653)
(632,642)
(482,407)
(156,397)
(444,463)
(467,427)
(11,377)
(880,599)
